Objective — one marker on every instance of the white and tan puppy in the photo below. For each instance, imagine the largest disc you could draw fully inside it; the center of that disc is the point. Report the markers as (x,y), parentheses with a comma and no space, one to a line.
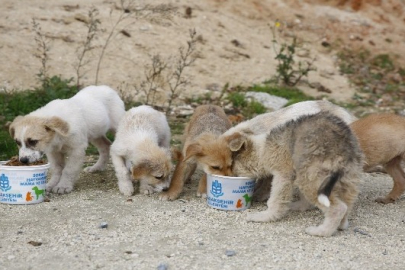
(62,130)
(141,151)
(318,154)
(267,121)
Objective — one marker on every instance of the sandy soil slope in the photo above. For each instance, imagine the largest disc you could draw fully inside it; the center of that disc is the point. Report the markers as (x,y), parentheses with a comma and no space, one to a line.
(234,40)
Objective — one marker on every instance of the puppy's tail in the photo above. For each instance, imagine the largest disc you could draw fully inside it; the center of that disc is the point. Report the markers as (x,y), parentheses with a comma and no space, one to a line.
(325,189)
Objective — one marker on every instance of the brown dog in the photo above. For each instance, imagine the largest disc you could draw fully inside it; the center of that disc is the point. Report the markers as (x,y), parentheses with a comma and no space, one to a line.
(206,124)
(382,139)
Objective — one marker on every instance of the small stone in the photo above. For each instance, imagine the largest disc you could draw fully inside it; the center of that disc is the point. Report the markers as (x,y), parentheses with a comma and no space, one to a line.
(145,28)
(230,253)
(162,266)
(35,243)
(188,12)
(357,230)
(103,225)
(325,43)
(82,18)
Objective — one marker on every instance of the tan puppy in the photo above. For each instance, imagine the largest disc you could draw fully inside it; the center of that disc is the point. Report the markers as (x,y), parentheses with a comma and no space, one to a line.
(206,124)
(382,139)
(264,123)
(141,151)
(318,153)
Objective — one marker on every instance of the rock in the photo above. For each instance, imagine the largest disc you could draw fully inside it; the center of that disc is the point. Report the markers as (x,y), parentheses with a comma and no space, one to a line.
(183,111)
(82,18)
(145,27)
(103,225)
(269,101)
(188,12)
(230,253)
(162,266)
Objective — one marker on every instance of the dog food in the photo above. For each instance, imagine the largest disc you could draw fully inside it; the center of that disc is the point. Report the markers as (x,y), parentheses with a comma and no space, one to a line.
(14,161)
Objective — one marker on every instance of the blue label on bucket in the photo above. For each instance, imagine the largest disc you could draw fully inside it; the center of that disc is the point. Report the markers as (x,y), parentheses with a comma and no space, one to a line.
(216,189)
(36,179)
(249,187)
(10,197)
(4,183)
(220,203)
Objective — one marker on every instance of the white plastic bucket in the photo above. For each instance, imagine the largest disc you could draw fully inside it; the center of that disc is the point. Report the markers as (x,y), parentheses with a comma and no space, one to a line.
(22,184)
(229,193)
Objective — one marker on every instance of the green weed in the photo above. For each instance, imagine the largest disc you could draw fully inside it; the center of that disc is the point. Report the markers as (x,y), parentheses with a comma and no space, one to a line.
(23,102)
(288,70)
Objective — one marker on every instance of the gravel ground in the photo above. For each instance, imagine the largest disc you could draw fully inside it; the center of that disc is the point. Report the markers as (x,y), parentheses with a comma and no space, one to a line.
(145,233)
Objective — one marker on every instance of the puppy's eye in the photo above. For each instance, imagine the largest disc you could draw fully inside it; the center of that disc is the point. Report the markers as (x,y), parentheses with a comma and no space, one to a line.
(159,177)
(18,142)
(32,142)
(217,168)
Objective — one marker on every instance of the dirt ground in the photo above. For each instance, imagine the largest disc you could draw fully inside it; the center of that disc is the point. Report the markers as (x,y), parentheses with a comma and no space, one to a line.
(146,233)
(234,40)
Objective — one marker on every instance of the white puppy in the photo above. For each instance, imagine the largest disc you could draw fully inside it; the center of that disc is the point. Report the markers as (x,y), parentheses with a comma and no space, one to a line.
(141,151)
(267,121)
(62,129)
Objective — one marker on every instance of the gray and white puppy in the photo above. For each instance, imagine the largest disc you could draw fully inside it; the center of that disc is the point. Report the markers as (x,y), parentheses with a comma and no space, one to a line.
(317,153)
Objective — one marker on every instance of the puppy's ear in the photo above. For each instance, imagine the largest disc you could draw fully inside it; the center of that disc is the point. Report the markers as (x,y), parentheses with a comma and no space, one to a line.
(11,129)
(140,170)
(57,125)
(236,141)
(192,150)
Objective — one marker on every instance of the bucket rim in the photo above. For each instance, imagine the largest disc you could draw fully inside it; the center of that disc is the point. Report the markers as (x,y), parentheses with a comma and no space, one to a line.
(231,178)
(23,168)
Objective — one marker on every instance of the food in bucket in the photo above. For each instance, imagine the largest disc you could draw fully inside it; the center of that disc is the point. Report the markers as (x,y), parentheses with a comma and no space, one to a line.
(15,161)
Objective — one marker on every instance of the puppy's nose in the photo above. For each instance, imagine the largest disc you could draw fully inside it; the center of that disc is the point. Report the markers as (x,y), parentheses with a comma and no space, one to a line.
(24,160)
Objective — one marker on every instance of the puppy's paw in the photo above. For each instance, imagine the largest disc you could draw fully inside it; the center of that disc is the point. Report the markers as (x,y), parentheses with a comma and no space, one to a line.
(93,169)
(202,194)
(126,188)
(147,190)
(265,216)
(344,224)
(257,217)
(49,187)
(319,231)
(385,200)
(62,189)
(168,196)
